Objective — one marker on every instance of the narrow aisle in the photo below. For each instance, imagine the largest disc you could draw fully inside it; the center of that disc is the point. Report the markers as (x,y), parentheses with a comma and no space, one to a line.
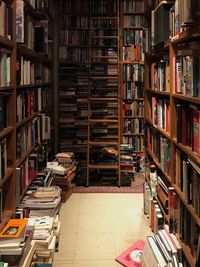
(95,228)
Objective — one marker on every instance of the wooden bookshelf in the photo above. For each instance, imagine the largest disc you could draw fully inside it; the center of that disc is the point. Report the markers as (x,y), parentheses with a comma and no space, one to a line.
(103,129)
(168,54)
(10,88)
(133,32)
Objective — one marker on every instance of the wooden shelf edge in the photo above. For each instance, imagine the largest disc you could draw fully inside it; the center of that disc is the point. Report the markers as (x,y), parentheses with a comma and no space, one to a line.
(101,166)
(162,131)
(6,215)
(187,150)
(189,207)
(9,172)
(6,131)
(187,252)
(148,90)
(24,156)
(187,98)
(6,42)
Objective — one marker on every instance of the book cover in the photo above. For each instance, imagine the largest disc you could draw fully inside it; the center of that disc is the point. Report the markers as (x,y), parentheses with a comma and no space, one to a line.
(13,228)
(131,257)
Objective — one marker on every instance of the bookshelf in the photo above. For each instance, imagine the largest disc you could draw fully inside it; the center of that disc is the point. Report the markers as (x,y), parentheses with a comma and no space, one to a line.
(25,88)
(74,80)
(133,46)
(172,117)
(103,119)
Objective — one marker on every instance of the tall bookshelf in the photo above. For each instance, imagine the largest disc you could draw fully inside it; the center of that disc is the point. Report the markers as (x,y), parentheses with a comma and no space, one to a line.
(103,118)
(74,80)
(133,46)
(172,118)
(24,96)
(111,38)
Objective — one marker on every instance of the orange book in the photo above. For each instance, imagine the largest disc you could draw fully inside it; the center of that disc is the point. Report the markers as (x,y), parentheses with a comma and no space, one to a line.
(13,228)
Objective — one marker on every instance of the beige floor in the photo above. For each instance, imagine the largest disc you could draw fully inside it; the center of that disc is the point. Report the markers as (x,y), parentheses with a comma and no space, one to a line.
(98,227)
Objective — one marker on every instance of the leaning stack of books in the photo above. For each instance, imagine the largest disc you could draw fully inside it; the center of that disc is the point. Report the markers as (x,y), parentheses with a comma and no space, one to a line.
(162,249)
(44,201)
(15,241)
(64,168)
(46,236)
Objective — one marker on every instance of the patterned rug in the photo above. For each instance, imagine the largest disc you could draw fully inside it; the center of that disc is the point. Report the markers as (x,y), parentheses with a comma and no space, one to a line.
(136,187)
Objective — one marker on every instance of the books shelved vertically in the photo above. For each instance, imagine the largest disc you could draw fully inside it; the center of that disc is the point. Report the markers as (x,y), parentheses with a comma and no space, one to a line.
(172,119)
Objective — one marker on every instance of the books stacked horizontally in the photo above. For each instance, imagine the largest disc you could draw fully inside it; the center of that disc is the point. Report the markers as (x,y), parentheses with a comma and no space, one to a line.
(162,249)
(13,237)
(44,201)
(64,169)
(46,234)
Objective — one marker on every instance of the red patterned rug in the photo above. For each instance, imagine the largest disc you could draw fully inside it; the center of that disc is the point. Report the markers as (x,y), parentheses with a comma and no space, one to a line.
(136,187)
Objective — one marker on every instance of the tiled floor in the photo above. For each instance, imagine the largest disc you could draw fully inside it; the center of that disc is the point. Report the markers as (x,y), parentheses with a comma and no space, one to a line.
(95,228)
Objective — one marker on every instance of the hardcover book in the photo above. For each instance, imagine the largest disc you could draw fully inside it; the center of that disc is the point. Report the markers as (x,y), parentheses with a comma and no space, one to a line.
(13,228)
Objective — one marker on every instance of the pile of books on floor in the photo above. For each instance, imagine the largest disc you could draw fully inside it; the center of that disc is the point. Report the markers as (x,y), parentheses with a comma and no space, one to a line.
(38,216)
(46,232)
(44,201)
(64,168)
(15,241)
(162,249)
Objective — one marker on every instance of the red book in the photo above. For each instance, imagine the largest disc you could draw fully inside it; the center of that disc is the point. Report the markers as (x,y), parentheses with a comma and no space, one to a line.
(131,257)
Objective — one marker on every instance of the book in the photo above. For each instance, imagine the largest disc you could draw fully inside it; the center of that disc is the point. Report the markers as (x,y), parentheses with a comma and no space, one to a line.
(131,257)
(13,229)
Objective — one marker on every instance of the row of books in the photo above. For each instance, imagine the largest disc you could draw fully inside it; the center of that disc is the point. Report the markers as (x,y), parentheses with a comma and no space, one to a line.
(136,141)
(182,15)
(133,37)
(133,53)
(102,7)
(28,72)
(133,126)
(6,19)
(33,133)
(160,76)
(74,7)
(178,17)
(162,249)
(74,37)
(74,54)
(74,22)
(35,36)
(133,72)
(161,113)
(106,23)
(159,146)
(132,90)
(134,21)
(187,75)
(186,178)
(135,108)
(187,123)
(131,6)
(30,102)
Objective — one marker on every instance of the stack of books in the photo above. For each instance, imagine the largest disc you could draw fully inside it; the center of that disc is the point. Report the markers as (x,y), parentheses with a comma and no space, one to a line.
(12,237)
(162,249)
(64,168)
(15,242)
(46,231)
(44,201)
